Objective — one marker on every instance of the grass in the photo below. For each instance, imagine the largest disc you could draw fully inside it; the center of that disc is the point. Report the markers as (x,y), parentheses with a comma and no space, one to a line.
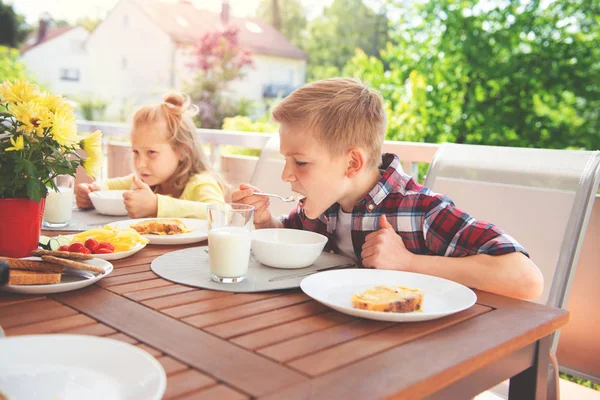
(579,381)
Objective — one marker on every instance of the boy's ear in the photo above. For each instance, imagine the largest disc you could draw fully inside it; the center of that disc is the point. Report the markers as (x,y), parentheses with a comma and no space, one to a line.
(357,160)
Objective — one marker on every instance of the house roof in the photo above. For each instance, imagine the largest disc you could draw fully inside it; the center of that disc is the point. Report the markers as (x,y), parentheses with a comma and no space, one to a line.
(52,33)
(185,23)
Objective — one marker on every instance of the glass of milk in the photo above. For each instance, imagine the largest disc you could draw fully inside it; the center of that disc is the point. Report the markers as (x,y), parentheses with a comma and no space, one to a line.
(59,203)
(229,227)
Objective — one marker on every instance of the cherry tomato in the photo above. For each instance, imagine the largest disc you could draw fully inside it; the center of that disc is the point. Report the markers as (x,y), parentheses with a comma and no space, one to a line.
(64,247)
(86,251)
(92,244)
(76,247)
(106,245)
(103,250)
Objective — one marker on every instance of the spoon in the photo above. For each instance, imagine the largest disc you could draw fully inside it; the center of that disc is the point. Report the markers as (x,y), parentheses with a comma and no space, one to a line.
(286,199)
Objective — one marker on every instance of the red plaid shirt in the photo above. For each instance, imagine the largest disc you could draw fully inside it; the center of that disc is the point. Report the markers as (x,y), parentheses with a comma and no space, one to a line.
(428,222)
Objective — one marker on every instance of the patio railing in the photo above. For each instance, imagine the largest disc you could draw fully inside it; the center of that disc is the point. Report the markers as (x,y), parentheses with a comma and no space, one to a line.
(579,344)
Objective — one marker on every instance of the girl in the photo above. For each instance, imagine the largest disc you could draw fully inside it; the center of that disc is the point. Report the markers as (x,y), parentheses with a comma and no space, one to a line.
(172,176)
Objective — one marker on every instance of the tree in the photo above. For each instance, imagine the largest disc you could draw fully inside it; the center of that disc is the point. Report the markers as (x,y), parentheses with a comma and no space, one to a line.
(11,68)
(88,23)
(344,26)
(219,60)
(510,73)
(13,30)
(287,16)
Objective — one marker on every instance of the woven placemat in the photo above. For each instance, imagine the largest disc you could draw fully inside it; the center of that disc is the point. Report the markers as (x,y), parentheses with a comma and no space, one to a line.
(190,267)
(82,220)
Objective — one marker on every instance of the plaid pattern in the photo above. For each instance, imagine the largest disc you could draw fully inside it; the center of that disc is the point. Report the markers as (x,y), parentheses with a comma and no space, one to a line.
(428,222)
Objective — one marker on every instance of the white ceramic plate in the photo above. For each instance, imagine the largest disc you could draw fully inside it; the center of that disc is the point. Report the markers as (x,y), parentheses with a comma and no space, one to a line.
(335,288)
(199,231)
(71,280)
(114,256)
(69,367)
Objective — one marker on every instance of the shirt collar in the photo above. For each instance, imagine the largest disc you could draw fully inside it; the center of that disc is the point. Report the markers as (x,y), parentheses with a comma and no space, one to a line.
(391,169)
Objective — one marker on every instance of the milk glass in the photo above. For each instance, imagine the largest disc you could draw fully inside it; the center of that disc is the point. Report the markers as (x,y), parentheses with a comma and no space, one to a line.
(229,227)
(59,204)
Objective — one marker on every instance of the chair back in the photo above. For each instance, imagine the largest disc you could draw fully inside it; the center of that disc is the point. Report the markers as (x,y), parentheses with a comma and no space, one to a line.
(541,197)
(267,176)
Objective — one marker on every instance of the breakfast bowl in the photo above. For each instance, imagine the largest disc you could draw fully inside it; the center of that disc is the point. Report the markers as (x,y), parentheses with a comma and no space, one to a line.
(287,248)
(109,202)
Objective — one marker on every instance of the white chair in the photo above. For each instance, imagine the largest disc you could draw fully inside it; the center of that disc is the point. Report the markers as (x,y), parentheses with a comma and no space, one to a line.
(541,197)
(267,176)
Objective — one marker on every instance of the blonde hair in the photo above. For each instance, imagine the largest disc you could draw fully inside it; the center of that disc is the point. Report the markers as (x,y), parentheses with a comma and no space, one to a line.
(177,112)
(341,113)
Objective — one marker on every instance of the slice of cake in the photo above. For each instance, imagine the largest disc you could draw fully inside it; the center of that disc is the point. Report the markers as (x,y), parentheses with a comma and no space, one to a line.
(389,299)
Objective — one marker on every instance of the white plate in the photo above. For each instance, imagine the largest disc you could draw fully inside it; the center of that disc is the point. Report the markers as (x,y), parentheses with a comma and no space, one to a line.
(114,256)
(71,280)
(199,231)
(68,367)
(335,288)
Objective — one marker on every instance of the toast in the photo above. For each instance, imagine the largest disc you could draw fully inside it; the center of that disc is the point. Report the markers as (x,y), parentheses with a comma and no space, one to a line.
(161,227)
(398,299)
(74,264)
(31,265)
(20,277)
(62,254)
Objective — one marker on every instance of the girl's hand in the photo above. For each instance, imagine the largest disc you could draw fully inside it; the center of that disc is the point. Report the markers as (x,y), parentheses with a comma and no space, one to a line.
(82,194)
(141,202)
(245,195)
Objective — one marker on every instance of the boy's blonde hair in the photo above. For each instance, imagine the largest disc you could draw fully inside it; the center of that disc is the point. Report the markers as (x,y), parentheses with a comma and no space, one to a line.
(178,113)
(341,113)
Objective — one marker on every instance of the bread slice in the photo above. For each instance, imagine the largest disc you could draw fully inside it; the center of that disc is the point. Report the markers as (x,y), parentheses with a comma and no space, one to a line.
(161,227)
(19,277)
(389,299)
(31,265)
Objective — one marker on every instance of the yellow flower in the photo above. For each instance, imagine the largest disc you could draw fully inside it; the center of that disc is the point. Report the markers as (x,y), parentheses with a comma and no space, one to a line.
(16,144)
(92,145)
(34,117)
(55,104)
(19,91)
(64,129)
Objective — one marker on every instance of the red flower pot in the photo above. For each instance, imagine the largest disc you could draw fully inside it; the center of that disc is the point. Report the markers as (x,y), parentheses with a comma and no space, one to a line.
(21,224)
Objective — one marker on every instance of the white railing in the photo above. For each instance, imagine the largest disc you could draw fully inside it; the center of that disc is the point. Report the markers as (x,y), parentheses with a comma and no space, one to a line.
(410,153)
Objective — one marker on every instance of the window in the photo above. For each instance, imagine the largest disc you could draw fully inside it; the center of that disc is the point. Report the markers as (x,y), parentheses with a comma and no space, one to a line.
(125,20)
(69,74)
(124,62)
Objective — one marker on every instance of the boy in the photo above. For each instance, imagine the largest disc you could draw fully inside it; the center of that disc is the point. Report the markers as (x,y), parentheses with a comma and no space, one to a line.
(331,134)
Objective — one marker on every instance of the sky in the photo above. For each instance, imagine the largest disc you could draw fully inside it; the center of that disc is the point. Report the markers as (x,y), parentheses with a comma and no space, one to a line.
(72,10)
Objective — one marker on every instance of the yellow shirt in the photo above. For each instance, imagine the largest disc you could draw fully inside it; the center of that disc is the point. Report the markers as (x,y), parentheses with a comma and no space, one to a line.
(201,190)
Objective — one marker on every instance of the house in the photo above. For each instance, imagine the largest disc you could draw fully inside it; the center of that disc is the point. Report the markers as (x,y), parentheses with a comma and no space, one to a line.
(143,48)
(56,57)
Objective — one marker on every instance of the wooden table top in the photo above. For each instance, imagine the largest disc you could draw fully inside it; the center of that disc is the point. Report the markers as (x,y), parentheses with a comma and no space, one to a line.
(282,344)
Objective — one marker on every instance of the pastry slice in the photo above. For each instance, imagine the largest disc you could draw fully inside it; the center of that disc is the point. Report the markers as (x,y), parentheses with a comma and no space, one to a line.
(161,227)
(389,299)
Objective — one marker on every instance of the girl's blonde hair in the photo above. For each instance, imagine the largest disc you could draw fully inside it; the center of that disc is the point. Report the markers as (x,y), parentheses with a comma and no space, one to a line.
(178,113)
(340,113)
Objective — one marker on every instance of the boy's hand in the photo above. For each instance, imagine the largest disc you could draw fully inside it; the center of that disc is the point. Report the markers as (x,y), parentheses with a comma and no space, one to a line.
(82,194)
(385,249)
(244,195)
(141,202)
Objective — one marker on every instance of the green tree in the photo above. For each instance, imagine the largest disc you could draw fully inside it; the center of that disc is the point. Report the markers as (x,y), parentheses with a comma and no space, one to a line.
(510,73)
(10,66)
(346,25)
(287,16)
(13,30)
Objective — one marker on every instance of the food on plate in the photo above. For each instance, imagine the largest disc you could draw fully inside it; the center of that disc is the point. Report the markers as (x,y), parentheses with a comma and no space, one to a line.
(389,299)
(109,239)
(53,243)
(31,265)
(21,277)
(161,227)
(62,254)
(73,264)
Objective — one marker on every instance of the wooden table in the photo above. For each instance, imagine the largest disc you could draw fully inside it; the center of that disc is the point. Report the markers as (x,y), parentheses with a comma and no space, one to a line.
(284,345)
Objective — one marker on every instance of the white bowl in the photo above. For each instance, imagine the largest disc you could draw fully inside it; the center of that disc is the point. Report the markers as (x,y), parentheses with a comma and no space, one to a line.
(287,248)
(109,202)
